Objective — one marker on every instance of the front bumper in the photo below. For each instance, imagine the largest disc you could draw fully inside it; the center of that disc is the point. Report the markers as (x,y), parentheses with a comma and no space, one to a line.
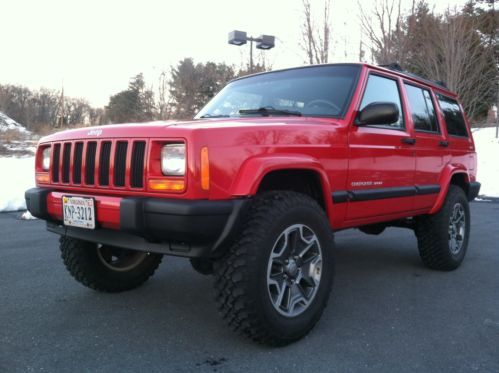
(190,228)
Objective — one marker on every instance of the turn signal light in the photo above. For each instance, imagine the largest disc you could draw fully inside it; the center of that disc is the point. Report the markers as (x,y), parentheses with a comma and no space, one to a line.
(205,169)
(167,185)
(42,177)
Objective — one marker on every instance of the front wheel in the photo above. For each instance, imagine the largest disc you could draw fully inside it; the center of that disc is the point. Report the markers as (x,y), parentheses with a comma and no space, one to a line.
(443,237)
(107,268)
(274,282)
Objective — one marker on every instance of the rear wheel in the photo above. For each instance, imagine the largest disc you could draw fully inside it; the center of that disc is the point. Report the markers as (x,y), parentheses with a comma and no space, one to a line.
(443,237)
(107,268)
(274,282)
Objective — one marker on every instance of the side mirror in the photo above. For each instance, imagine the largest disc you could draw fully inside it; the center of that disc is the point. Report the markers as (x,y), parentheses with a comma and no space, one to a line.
(378,113)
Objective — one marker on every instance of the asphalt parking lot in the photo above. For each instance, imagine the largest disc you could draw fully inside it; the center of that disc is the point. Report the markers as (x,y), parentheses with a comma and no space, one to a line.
(387,312)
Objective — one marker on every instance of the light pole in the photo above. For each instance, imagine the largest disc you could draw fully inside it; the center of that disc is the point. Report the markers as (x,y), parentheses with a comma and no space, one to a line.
(264,42)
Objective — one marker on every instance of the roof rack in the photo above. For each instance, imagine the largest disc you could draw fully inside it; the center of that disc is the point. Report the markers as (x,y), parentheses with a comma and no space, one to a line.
(394,66)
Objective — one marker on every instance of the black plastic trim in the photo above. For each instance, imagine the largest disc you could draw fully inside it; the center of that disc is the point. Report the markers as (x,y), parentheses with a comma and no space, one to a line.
(36,202)
(427,189)
(383,193)
(131,241)
(340,196)
(191,228)
(473,190)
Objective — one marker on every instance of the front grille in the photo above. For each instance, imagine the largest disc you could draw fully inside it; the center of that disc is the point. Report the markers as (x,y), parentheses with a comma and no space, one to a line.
(109,160)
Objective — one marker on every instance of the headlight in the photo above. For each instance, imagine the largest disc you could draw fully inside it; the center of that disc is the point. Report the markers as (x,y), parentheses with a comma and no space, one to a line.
(46,159)
(173,160)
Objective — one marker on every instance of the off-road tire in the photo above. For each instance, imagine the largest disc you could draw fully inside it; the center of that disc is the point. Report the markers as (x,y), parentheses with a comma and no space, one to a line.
(432,232)
(85,265)
(241,274)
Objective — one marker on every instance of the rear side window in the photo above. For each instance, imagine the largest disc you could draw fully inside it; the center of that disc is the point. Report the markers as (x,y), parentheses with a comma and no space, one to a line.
(422,109)
(381,89)
(454,119)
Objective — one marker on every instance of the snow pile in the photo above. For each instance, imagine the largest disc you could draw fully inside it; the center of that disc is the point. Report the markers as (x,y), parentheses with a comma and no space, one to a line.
(487,148)
(27,216)
(18,174)
(7,123)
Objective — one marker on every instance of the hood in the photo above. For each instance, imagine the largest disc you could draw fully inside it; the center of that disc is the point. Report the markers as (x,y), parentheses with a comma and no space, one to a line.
(162,129)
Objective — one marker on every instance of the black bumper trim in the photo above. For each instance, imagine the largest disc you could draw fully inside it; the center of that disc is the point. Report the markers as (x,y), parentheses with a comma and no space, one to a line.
(191,228)
(36,202)
(131,241)
(196,222)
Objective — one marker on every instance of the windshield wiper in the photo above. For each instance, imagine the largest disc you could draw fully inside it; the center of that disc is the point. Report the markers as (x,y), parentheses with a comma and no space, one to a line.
(213,116)
(268,110)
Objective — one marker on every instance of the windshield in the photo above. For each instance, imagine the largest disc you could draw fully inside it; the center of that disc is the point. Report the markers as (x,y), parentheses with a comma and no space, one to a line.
(313,91)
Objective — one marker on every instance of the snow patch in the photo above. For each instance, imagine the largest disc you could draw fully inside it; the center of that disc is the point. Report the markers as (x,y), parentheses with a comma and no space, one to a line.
(27,216)
(487,148)
(7,123)
(18,175)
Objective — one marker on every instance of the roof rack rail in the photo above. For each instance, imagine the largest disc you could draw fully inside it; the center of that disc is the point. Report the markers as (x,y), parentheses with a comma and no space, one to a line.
(394,66)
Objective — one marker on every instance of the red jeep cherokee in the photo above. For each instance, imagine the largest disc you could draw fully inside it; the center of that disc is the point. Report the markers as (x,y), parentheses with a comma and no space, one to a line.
(253,188)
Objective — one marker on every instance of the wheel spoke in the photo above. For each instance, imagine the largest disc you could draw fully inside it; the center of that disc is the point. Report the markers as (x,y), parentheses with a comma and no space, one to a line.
(293,239)
(281,293)
(303,252)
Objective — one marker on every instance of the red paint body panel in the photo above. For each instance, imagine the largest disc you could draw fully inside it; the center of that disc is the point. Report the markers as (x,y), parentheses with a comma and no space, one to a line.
(107,208)
(243,150)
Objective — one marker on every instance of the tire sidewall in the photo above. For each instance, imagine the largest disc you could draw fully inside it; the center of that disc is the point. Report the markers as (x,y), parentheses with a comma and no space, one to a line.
(293,327)
(456,195)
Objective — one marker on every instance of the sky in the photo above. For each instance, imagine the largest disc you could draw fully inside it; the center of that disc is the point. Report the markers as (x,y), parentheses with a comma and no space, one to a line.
(93,47)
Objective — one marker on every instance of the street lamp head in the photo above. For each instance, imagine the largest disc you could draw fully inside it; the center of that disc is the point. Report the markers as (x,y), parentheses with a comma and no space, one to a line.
(237,37)
(265,42)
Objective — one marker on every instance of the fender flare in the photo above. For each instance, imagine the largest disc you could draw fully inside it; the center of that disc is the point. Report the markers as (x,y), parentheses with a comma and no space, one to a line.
(253,170)
(448,172)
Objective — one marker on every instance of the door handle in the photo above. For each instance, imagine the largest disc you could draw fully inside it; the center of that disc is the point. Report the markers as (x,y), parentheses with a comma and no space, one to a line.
(443,144)
(409,140)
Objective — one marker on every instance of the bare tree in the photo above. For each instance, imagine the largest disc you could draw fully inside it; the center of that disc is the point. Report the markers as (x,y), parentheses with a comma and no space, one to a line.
(316,39)
(453,52)
(383,28)
(450,47)
(164,101)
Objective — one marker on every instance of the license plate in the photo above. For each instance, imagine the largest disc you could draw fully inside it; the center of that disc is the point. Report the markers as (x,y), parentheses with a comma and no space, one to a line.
(78,212)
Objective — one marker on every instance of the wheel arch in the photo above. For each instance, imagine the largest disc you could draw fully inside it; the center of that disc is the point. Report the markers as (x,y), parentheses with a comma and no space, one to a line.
(452,174)
(284,172)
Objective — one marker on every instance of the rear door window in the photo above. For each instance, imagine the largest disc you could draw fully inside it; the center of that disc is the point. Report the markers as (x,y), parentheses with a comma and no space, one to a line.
(422,109)
(454,119)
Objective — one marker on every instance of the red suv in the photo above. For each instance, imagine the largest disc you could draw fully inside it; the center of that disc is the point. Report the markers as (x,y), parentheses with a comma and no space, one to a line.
(253,188)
